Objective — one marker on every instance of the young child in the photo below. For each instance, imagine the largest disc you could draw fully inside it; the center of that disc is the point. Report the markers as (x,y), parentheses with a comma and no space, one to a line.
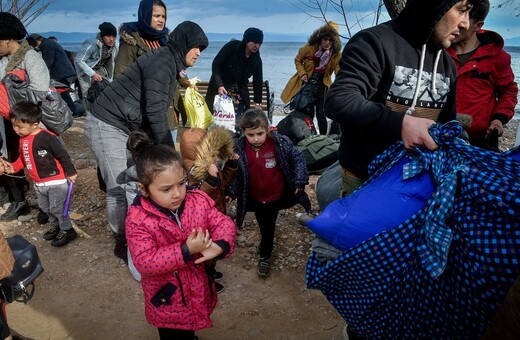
(49,166)
(172,231)
(272,176)
(211,165)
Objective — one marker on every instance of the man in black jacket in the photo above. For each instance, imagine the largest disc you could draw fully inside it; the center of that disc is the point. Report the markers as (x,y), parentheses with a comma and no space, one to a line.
(232,67)
(58,63)
(395,81)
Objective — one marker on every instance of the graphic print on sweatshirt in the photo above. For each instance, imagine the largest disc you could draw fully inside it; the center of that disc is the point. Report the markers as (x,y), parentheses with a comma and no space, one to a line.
(402,91)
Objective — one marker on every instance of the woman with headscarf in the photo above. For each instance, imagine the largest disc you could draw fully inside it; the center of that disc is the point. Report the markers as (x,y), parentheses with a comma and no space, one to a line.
(138,100)
(147,33)
(315,62)
(17,56)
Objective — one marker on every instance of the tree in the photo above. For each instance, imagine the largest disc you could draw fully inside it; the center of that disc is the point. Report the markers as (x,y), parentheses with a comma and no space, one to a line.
(341,8)
(25,10)
(506,3)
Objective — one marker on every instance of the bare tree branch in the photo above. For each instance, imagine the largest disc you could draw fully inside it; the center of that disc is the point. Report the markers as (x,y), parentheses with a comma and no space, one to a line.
(25,10)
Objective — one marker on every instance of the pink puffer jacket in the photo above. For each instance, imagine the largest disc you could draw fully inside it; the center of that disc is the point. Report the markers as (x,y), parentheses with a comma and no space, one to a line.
(155,241)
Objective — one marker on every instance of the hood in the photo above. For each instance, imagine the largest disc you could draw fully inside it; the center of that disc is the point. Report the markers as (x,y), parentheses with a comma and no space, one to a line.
(418,19)
(217,143)
(330,29)
(125,33)
(18,56)
(184,37)
(490,38)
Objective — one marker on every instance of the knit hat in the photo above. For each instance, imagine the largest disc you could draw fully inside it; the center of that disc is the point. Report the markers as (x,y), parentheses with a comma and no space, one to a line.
(11,27)
(107,28)
(253,34)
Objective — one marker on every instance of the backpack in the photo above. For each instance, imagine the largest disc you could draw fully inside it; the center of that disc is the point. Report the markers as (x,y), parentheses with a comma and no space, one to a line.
(305,97)
(319,151)
(56,115)
(297,126)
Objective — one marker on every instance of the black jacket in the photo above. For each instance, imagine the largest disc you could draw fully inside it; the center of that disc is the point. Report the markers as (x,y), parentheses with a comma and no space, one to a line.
(139,99)
(377,82)
(57,60)
(231,67)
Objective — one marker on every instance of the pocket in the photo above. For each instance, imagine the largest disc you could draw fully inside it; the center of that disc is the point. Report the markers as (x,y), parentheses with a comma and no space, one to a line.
(164,295)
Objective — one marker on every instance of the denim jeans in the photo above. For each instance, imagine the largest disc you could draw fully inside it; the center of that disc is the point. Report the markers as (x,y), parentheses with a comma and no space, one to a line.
(109,146)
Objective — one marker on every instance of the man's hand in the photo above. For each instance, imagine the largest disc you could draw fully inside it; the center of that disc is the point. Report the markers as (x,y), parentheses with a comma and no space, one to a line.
(222,90)
(96,77)
(496,124)
(414,133)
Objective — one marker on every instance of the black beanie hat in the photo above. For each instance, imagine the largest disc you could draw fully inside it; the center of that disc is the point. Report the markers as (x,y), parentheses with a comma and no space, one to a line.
(11,27)
(107,28)
(253,34)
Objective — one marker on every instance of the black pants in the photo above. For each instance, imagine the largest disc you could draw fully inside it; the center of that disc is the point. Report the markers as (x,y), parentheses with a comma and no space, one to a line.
(15,186)
(175,334)
(66,95)
(266,215)
(320,104)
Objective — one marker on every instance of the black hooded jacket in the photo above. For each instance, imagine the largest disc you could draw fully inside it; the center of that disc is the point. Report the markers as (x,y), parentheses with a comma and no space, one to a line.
(377,82)
(140,97)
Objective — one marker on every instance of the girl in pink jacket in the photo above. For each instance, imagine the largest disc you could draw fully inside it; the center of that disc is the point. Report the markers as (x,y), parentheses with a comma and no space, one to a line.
(172,231)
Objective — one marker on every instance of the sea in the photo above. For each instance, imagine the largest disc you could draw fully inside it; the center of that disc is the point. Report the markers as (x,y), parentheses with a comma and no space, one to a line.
(278,63)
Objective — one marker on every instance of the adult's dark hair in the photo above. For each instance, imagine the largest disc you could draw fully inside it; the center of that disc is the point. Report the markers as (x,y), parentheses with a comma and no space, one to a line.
(11,27)
(252,119)
(26,112)
(480,10)
(150,159)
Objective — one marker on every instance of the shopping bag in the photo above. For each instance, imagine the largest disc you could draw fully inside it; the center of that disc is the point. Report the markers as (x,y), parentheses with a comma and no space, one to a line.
(224,112)
(196,108)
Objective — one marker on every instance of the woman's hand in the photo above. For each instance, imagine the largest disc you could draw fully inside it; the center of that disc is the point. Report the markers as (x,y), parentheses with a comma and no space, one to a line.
(209,253)
(304,78)
(198,241)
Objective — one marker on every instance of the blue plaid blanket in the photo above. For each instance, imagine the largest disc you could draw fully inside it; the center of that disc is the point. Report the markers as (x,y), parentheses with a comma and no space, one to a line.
(444,272)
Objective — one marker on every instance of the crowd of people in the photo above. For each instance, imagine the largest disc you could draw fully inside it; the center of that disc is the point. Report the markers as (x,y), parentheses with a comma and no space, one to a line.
(168,210)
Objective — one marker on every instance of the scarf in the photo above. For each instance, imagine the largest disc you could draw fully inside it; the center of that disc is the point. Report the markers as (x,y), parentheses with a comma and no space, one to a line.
(323,56)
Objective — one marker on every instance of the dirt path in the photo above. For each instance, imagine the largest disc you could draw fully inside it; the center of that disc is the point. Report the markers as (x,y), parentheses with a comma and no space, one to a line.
(86,293)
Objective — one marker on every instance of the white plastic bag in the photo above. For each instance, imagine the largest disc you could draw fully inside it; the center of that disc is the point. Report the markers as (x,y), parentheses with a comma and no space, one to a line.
(224,112)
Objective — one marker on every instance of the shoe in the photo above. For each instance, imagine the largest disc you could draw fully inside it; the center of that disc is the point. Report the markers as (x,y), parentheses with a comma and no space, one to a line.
(121,250)
(64,237)
(217,276)
(16,209)
(51,233)
(264,266)
(220,288)
(4,196)
(42,217)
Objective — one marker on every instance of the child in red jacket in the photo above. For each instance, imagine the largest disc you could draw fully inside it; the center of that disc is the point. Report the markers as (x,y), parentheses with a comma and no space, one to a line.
(171,232)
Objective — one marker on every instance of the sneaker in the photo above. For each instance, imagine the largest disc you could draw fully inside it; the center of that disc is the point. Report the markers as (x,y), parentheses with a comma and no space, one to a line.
(121,250)
(217,276)
(51,233)
(42,217)
(220,288)
(16,209)
(264,266)
(64,237)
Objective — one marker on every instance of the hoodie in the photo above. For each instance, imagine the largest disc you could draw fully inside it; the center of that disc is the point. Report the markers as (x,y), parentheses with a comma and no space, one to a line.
(139,99)
(381,79)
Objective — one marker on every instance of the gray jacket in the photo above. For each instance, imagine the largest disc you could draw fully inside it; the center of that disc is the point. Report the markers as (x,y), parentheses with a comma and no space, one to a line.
(89,56)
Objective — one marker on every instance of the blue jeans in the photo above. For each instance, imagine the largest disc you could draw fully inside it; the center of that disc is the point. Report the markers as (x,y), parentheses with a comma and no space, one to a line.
(109,146)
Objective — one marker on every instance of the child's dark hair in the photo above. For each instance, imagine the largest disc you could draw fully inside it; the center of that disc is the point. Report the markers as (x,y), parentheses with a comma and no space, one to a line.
(252,119)
(26,112)
(150,159)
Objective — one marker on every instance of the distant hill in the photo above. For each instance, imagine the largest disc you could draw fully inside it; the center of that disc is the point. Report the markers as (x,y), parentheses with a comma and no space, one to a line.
(513,41)
(74,37)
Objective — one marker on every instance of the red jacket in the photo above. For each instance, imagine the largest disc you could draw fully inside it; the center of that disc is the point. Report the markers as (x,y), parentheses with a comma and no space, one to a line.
(155,241)
(486,87)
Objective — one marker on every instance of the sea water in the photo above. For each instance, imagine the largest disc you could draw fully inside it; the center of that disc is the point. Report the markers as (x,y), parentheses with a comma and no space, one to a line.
(278,63)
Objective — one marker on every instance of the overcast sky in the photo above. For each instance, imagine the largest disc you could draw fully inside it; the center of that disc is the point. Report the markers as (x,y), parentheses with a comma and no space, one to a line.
(230,16)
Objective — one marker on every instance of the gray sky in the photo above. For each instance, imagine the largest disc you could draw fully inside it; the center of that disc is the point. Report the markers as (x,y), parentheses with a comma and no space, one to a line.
(230,16)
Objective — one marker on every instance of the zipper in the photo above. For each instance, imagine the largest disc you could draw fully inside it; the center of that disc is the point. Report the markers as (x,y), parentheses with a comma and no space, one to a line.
(176,273)
(177,219)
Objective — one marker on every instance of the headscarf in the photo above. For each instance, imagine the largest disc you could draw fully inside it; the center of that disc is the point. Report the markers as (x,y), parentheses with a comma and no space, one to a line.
(144,19)
(184,37)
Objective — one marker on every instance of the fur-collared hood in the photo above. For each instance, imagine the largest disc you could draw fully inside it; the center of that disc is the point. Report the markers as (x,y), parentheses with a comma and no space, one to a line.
(128,34)
(218,142)
(330,29)
(18,56)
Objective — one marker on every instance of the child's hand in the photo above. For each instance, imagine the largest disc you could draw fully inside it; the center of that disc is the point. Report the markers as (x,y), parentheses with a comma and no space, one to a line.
(6,167)
(298,189)
(213,170)
(73,178)
(235,156)
(197,242)
(228,199)
(209,253)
